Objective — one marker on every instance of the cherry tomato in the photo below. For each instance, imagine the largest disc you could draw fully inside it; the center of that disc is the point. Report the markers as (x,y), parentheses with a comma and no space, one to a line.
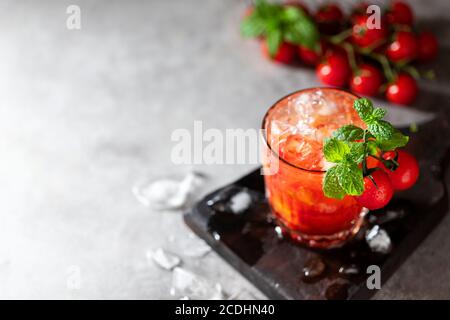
(329,18)
(330,12)
(427,46)
(335,71)
(311,57)
(406,174)
(364,37)
(400,13)
(358,10)
(285,53)
(367,81)
(376,195)
(403,90)
(403,48)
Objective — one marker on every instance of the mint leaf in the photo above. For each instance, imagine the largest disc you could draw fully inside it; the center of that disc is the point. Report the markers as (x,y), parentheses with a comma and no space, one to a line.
(349,133)
(265,9)
(381,129)
(397,140)
(335,150)
(274,41)
(364,107)
(350,146)
(277,22)
(331,186)
(350,178)
(304,32)
(292,14)
(252,27)
(379,113)
(357,152)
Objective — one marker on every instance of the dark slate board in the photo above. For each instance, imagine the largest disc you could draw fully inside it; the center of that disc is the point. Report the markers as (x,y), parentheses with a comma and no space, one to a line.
(248,241)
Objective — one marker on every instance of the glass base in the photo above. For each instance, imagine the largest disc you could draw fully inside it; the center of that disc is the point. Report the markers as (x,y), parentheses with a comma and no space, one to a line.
(335,240)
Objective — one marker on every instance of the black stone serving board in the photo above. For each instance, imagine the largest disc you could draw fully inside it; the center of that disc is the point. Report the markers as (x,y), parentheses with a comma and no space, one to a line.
(248,241)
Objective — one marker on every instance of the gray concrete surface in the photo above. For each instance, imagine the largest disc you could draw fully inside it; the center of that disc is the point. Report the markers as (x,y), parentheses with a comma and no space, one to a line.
(86,114)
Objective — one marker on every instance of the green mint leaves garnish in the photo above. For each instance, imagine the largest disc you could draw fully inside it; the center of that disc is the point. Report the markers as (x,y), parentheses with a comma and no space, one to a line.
(349,133)
(277,23)
(350,146)
(346,177)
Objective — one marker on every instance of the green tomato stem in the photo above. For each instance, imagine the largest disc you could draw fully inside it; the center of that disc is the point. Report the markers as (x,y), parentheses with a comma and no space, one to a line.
(340,37)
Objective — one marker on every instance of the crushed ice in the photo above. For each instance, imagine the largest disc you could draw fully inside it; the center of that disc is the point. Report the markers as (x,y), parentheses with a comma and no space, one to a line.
(188,284)
(378,240)
(195,247)
(240,201)
(169,193)
(163,259)
(233,199)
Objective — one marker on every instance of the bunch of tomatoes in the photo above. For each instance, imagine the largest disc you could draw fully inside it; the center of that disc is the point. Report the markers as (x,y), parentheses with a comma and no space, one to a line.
(369,60)
(397,171)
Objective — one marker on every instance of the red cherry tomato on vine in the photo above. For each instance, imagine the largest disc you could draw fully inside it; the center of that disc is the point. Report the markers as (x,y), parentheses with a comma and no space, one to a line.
(312,57)
(329,18)
(376,195)
(427,46)
(364,37)
(367,80)
(328,13)
(403,48)
(403,90)
(406,174)
(285,53)
(400,13)
(358,10)
(335,71)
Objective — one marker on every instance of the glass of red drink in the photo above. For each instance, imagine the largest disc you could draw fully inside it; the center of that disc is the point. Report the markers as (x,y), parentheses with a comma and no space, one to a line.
(294,166)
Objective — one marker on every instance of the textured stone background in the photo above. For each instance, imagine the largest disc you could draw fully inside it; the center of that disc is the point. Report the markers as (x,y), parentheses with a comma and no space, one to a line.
(86,114)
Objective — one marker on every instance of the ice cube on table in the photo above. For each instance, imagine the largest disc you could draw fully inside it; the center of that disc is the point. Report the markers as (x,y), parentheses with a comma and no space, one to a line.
(195,247)
(378,240)
(188,284)
(168,193)
(163,259)
(232,199)
(240,202)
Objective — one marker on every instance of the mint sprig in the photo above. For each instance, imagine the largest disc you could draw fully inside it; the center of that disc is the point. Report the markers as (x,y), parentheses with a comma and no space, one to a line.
(277,23)
(350,146)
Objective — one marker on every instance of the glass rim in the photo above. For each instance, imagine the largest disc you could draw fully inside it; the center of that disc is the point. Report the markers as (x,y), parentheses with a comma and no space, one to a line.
(263,127)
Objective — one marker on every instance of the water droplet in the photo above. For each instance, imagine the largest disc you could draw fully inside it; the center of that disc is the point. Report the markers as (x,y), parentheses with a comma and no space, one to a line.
(349,270)
(216,236)
(313,268)
(279,232)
